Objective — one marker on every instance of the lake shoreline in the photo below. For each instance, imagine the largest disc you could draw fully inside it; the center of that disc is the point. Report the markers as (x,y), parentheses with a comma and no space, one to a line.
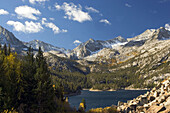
(97,90)
(73,94)
(103,98)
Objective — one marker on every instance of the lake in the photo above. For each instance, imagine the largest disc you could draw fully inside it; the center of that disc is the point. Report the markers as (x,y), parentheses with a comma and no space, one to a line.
(104,98)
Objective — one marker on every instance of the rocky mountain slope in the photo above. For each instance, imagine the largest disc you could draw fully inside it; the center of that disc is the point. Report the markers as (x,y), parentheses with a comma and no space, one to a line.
(155,101)
(7,37)
(145,57)
(148,40)
(148,55)
(93,46)
(64,64)
(35,44)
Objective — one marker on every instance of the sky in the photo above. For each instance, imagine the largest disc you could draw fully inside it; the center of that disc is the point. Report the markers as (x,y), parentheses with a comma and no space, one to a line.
(67,23)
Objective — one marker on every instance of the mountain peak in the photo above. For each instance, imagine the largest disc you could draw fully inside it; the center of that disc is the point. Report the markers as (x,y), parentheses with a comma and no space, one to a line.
(120,39)
(162,29)
(35,44)
(162,34)
(37,40)
(7,37)
(91,40)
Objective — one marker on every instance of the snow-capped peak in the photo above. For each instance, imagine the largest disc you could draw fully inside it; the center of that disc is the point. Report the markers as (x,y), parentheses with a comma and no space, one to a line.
(35,44)
(167,27)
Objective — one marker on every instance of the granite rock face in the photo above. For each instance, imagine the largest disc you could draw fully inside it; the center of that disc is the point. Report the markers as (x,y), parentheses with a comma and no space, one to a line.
(157,100)
(148,53)
(8,38)
(94,46)
(35,44)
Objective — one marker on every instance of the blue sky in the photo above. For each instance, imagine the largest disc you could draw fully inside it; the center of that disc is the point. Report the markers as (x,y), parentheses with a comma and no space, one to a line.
(62,22)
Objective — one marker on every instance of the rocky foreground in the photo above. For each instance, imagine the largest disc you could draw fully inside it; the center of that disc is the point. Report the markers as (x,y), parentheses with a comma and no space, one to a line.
(157,100)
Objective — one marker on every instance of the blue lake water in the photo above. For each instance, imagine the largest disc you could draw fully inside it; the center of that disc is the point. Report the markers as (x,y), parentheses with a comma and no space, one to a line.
(104,98)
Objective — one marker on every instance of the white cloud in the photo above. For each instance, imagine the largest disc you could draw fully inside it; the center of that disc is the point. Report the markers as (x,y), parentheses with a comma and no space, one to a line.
(51,25)
(77,42)
(27,12)
(64,30)
(105,21)
(39,1)
(163,1)
(28,27)
(52,19)
(74,12)
(128,5)
(3,12)
(91,9)
(167,26)
(58,7)
(65,17)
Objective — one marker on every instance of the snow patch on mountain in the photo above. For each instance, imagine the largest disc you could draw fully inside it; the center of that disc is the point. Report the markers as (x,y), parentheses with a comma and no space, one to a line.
(167,26)
(35,44)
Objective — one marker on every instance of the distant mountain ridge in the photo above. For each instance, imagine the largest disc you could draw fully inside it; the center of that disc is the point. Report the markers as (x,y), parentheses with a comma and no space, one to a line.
(35,44)
(92,46)
(145,57)
(91,49)
(7,37)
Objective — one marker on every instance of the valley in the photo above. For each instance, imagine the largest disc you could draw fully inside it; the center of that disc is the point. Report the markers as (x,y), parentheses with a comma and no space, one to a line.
(119,63)
(84,56)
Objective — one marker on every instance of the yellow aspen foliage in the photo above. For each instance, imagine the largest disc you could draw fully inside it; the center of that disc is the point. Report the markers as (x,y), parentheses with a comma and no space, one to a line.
(11,59)
(97,110)
(66,99)
(53,86)
(12,66)
(103,110)
(82,105)
(120,62)
(10,111)
(164,62)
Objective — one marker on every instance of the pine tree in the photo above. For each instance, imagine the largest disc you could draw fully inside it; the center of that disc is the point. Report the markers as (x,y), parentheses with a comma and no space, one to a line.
(10,84)
(0,48)
(28,83)
(1,80)
(5,50)
(45,92)
(9,49)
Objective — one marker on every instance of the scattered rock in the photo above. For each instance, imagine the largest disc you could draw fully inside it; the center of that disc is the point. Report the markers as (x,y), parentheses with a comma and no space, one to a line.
(120,103)
(155,109)
(157,100)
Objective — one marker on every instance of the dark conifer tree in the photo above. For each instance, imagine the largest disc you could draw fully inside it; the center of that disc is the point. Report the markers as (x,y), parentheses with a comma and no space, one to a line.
(0,47)
(9,49)
(5,50)
(45,95)
(28,83)
(1,80)
(10,81)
